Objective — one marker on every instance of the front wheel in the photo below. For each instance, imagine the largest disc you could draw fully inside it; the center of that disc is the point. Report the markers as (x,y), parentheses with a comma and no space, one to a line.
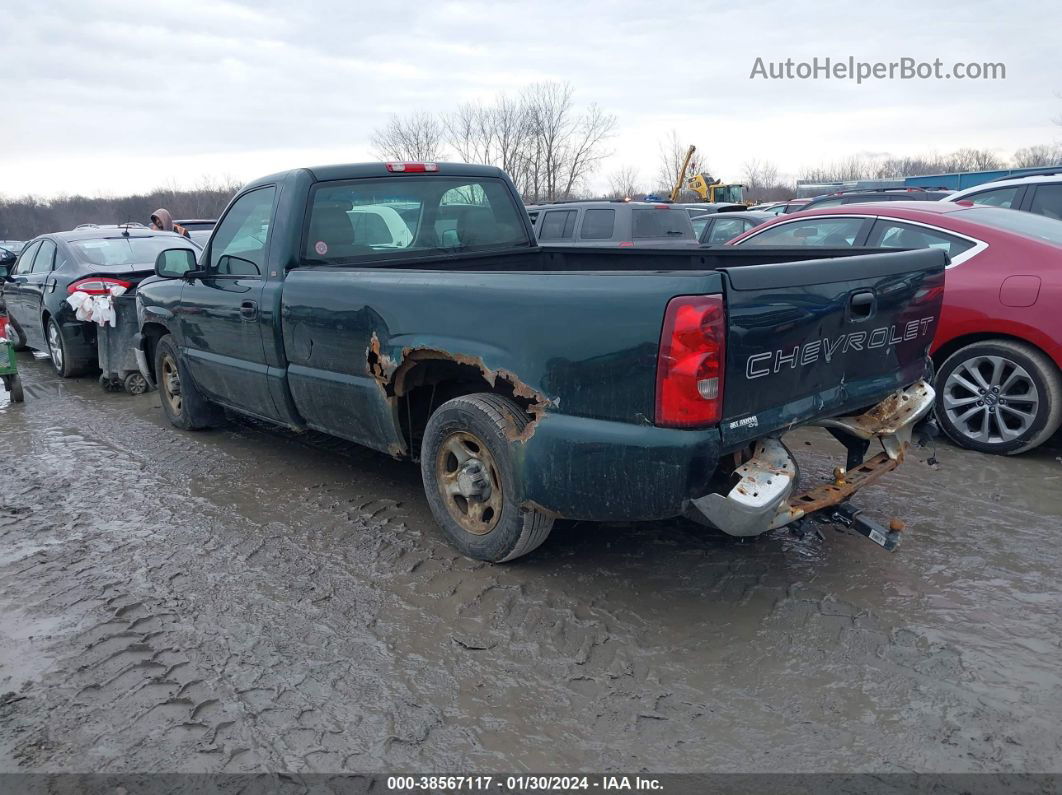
(470,482)
(182,403)
(999,397)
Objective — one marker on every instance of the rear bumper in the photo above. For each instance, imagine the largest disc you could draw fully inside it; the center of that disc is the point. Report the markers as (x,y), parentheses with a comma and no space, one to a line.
(763,497)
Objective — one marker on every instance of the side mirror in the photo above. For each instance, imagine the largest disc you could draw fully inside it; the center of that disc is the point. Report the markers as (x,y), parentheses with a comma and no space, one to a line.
(174,263)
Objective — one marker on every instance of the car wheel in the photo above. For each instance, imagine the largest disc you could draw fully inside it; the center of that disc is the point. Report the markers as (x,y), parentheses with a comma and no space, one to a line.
(999,397)
(182,403)
(65,362)
(470,482)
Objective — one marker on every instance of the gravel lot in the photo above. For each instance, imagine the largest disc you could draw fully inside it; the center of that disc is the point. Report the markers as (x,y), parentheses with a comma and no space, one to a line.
(248,599)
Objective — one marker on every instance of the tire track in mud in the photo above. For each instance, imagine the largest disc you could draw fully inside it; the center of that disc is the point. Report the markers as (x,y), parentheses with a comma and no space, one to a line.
(249,599)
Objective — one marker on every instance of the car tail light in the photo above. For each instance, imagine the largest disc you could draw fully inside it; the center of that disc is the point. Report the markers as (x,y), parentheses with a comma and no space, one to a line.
(412,168)
(689,369)
(97,285)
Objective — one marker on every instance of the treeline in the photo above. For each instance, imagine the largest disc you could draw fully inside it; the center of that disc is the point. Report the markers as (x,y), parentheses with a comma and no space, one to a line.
(29,216)
(853,168)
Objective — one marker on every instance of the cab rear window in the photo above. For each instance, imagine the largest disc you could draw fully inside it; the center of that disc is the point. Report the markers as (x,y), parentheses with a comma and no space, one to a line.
(387,218)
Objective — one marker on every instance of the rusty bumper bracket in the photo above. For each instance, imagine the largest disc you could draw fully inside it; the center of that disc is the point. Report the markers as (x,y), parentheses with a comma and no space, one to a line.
(826,494)
(762,498)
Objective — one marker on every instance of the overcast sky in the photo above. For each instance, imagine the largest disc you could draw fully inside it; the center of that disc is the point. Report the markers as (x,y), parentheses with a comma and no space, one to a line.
(110,97)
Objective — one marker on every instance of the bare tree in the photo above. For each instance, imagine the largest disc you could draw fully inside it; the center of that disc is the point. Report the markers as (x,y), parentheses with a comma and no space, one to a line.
(624,183)
(1038,155)
(563,146)
(418,136)
(969,159)
(546,145)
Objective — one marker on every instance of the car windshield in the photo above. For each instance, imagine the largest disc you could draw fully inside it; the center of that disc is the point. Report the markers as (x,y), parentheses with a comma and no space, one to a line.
(661,223)
(124,250)
(409,216)
(1039,227)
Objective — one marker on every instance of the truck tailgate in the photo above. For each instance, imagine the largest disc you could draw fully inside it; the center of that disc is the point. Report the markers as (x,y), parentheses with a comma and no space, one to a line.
(821,337)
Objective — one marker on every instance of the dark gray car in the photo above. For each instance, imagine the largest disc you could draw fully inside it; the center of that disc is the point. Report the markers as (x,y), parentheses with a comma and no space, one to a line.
(717,228)
(612,223)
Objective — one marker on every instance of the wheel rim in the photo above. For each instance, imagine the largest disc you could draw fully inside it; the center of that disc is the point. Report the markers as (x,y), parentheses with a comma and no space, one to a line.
(171,383)
(468,482)
(55,345)
(991,399)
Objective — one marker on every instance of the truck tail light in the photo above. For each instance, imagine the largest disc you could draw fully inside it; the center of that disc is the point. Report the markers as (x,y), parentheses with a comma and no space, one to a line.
(96,285)
(412,168)
(689,368)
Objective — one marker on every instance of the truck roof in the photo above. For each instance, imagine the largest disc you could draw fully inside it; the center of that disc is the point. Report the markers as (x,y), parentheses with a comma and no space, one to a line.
(342,171)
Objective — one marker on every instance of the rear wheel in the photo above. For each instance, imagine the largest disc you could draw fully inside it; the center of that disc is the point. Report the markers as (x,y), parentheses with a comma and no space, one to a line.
(15,388)
(66,362)
(182,403)
(470,481)
(999,397)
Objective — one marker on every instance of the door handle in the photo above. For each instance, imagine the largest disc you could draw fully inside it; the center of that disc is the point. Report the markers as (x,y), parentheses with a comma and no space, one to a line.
(249,310)
(861,305)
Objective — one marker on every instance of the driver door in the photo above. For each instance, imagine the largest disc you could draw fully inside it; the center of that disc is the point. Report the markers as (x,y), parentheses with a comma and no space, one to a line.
(220,319)
(15,288)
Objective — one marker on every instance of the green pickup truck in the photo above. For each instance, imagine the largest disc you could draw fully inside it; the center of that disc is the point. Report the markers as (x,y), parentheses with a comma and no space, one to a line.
(407,307)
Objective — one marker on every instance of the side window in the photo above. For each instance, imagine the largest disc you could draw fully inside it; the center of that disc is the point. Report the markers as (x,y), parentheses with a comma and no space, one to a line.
(725,229)
(45,258)
(597,224)
(25,260)
(1000,197)
(1047,201)
(558,225)
(829,203)
(823,232)
(238,246)
(893,234)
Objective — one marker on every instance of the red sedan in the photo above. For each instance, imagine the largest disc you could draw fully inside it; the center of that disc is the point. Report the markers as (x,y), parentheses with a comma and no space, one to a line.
(998,349)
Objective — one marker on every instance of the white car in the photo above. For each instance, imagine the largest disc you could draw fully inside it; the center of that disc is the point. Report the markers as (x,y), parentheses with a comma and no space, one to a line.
(1036,193)
(379,224)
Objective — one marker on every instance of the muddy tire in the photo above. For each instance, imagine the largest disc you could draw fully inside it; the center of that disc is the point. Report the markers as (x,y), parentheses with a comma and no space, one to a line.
(66,363)
(182,403)
(999,397)
(469,479)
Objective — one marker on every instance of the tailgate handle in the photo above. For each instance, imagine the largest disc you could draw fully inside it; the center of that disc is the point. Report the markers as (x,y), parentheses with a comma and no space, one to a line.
(861,305)
(249,310)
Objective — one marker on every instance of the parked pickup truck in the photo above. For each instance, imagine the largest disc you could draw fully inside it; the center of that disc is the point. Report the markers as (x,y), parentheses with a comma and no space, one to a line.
(533,384)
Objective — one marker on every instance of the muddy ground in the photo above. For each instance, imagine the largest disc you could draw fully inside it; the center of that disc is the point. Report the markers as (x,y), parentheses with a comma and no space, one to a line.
(247,599)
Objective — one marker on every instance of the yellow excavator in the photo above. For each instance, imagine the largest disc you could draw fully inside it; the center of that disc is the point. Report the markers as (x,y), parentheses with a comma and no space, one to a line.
(710,190)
